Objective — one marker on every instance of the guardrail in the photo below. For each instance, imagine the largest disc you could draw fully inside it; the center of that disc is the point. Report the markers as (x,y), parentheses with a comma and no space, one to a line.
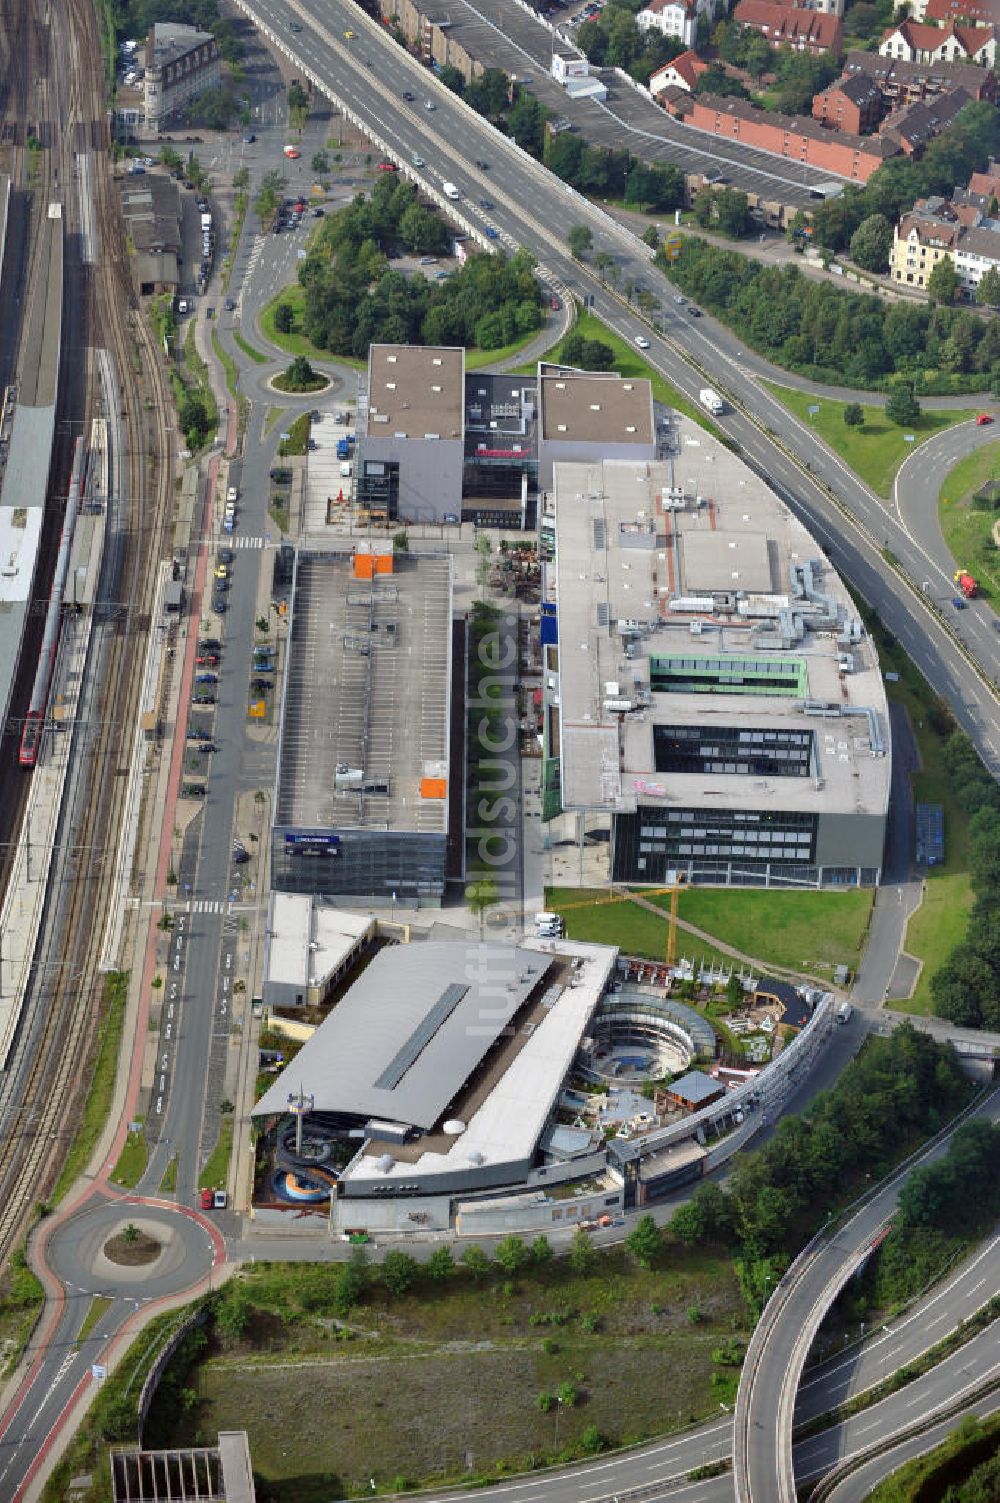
(789,1284)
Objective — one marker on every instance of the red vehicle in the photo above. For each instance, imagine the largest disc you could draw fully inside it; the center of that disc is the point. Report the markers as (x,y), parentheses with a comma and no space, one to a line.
(387,167)
(206,1199)
(983,420)
(207,659)
(968,585)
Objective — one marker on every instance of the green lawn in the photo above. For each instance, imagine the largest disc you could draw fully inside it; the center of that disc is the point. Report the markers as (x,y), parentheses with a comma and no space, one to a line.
(248,349)
(105,1065)
(940,921)
(801,931)
(216,1170)
(628,361)
(938,925)
(968,528)
(877,449)
(132,1160)
(935,1474)
(634,930)
(297,441)
(99,1306)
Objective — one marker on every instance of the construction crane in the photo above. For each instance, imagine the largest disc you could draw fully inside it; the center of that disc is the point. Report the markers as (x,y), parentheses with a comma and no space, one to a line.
(674,890)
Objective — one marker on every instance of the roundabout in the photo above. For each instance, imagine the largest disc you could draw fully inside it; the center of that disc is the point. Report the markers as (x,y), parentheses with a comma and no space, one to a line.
(173,1251)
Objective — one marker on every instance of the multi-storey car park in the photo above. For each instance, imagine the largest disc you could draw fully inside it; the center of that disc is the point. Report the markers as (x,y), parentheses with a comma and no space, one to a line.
(717,709)
(362,796)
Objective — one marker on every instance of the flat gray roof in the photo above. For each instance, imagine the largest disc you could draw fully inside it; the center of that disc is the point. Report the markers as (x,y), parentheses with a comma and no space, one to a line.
(675,590)
(38,372)
(23,488)
(405,1038)
(599,407)
(415,391)
(366,710)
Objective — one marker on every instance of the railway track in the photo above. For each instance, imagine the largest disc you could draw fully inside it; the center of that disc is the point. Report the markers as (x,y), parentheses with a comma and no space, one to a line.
(66,985)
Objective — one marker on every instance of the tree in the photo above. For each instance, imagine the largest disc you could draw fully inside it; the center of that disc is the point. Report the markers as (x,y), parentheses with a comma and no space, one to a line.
(284,318)
(582,1252)
(320,163)
(484,892)
(643,1241)
(988,291)
(580,241)
(298,102)
(350,1281)
(300,375)
(942,284)
(269,195)
(541,1250)
(871,243)
(399,1271)
(604,261)
(131,1233)
(854,415)
(651,237)
(901,406)
(233,1313)
(733,210)
(476,1261)
(452,79)
(241,179)
(512,1255)
(441,1264)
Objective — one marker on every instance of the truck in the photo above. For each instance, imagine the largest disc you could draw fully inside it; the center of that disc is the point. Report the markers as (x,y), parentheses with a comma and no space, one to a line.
(344,446)
(711,401)
(450,191)
(232,494)
(967,584)
(844,1012)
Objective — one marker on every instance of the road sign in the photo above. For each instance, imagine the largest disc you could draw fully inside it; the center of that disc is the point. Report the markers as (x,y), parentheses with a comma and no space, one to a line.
(672,246)
(812,409)
(909,438)
(98,1372)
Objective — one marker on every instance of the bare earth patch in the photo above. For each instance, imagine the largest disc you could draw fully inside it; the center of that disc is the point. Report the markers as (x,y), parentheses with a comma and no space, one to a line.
(134,1253)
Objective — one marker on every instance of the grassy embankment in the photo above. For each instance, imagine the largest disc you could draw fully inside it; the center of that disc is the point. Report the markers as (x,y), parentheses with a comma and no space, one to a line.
(968,526)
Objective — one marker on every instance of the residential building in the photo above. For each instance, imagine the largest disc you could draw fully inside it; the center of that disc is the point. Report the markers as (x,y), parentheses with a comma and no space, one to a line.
(718,713)
(905,83)
(912,42)
(682,73)
(916,124)
(784,26)
(795,137)
(674,18)
(919,241)
(853,103)
(963,12)
(181,62)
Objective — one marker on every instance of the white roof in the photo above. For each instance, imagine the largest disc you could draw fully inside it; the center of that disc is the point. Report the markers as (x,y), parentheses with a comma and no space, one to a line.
(309,939)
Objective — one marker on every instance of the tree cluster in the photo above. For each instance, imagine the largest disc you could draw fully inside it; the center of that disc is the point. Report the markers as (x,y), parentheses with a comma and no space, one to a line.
(133,18)
(797,75)
(897,1090)
(965,147)
(586,354)
(966,988)
(613,40)
(728,209)
(353,298)
(959,1193)
(829,335)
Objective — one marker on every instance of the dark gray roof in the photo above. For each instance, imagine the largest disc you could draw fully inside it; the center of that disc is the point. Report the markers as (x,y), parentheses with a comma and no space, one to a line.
(695,1087)
(410,1031)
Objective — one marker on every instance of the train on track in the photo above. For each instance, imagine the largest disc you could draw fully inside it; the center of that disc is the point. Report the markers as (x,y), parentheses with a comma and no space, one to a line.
(34,720)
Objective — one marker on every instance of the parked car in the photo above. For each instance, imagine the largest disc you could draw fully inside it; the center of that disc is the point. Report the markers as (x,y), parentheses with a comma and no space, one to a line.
(205,1199)
(983,420)
(208,658)
(387,167)
(225,555)
(281,476)
(260,686)
(206,678)
(203,697)
(221,571)
(428,261)
(208,644)
(219,604)
(249,138)
(192,790)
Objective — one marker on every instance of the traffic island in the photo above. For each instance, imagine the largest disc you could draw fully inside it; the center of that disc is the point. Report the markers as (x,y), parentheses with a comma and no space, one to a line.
(132,1247)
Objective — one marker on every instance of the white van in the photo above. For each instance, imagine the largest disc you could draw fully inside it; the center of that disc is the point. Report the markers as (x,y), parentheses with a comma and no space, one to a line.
(543,920)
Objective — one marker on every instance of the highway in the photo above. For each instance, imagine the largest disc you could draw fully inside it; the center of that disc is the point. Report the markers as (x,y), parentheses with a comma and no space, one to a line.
(765,1407)
(533,209)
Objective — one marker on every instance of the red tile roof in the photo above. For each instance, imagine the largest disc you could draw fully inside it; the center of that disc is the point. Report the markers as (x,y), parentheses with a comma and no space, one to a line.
(780,24)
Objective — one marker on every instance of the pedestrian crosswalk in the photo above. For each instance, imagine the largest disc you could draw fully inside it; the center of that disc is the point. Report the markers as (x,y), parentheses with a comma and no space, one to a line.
(258,245)
(236,541)
(207,905)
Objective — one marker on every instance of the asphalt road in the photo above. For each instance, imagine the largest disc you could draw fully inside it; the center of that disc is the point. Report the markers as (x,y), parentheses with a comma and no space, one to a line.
(763,1467)
(535,210)
(915,497)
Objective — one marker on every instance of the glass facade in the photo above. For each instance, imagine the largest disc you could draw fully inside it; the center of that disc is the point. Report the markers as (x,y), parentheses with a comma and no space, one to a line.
(361,863)
(652,842)
(729,675)
(728,749)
